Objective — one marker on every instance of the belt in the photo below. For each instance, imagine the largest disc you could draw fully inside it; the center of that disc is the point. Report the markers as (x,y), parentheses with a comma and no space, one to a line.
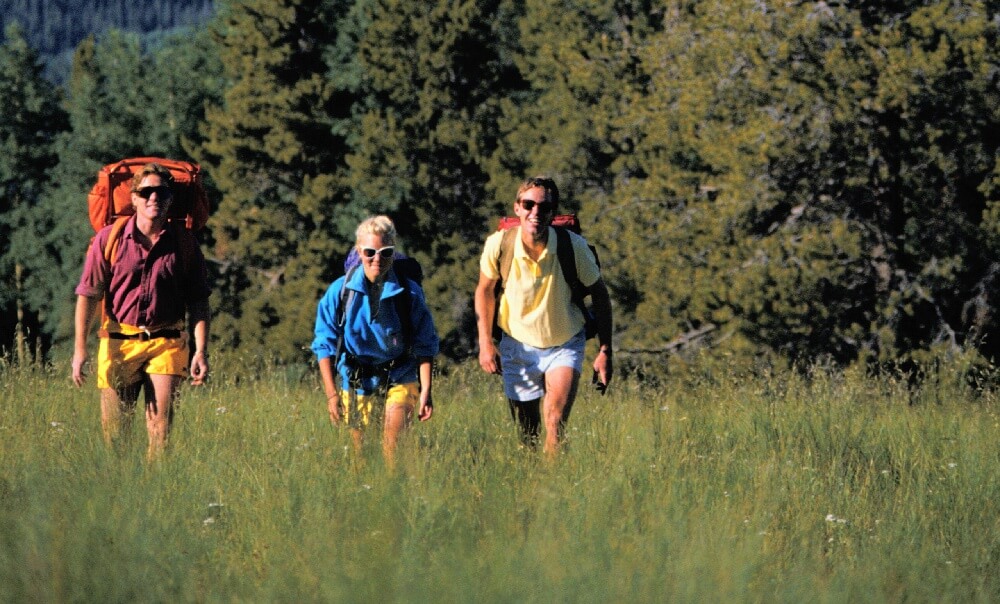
(359,371)
(142,336)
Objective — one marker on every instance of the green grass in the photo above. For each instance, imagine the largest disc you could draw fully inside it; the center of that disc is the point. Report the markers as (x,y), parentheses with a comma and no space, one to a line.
(829,488)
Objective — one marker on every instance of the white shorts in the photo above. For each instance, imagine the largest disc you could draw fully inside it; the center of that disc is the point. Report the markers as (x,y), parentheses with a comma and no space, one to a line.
(524,366)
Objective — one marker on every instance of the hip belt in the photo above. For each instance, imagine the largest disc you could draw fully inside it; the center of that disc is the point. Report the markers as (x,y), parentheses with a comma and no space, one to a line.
(143,336)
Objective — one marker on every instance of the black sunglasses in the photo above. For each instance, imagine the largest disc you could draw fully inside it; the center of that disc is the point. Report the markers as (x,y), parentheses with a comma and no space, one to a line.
(544,207)
(147,192)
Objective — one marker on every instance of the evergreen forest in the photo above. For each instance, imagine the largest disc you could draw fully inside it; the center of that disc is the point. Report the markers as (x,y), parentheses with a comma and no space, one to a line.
(55,27)
(766,182)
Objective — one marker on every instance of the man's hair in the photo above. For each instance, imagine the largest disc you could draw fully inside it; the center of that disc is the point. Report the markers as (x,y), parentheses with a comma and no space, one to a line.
(546,184)
(152,168)
(377,225)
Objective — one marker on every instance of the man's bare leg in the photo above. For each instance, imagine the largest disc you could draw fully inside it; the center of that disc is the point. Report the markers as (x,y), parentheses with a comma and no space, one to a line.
(560,391)
(117,411)
(160,393)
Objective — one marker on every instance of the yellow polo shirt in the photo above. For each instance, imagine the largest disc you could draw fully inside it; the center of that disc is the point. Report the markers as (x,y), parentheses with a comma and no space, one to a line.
(536,307)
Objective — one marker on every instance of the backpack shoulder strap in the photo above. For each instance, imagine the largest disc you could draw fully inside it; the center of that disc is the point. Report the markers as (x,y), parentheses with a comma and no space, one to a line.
(111,256)
(346,299)
(114,238)
(506,254)
(404,306)
(567,260)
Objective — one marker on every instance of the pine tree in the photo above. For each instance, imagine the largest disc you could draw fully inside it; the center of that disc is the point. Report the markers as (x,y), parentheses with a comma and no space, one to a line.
(571,119)
(271,151)
(189,72)
(29,123)
(432,78)
(816,180)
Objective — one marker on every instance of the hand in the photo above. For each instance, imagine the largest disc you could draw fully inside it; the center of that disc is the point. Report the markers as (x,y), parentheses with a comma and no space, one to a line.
(333,406)
(426,407)
(603,370)
(489,359)
(199,368)
(79,361)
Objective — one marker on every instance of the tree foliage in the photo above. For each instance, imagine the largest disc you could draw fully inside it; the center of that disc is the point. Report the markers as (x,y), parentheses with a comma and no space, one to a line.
(783,180)
(55,29)
(274,156)
(820,176)
(29,124)
(433,79)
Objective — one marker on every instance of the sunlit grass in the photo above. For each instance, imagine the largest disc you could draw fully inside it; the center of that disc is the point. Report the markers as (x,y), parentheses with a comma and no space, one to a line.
(830,487)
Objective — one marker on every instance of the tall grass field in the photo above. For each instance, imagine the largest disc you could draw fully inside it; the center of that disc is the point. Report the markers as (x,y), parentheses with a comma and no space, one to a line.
(826,487)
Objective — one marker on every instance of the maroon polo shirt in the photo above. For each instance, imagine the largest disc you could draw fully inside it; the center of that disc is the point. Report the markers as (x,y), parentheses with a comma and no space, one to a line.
(146,288)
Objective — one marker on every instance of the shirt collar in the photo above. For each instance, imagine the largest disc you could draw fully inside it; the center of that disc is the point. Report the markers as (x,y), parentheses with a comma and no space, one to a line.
(550,245)
(356,281)
(132,225)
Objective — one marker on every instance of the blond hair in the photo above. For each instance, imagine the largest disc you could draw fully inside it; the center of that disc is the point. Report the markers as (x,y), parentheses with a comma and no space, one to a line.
(377,225)
(166,177)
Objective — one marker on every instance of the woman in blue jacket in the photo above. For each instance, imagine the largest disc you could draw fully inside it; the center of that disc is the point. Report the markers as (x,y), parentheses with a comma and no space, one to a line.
(375,328)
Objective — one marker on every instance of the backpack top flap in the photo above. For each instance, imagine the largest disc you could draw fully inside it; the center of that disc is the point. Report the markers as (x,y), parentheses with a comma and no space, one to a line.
(567,221)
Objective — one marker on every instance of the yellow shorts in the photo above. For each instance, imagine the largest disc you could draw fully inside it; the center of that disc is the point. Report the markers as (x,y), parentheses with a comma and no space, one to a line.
(122,363)
(359,413)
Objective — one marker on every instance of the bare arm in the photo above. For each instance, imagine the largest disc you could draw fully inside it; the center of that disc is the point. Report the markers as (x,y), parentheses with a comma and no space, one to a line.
(326,373)
(425,368)
(603,364)
(486,306)
(86,309)
(199,315)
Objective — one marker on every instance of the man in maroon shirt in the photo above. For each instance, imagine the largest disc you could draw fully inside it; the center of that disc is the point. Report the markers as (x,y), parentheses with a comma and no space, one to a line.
(155,276)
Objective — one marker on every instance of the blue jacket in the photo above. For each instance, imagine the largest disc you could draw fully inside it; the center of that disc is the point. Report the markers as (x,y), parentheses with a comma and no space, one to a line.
(374,340)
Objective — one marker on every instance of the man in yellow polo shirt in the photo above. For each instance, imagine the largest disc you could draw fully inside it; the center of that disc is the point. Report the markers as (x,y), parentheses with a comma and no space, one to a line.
(540,354)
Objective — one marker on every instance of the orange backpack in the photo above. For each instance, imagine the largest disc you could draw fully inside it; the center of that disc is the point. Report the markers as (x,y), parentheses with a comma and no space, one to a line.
(110,199)
(111,196)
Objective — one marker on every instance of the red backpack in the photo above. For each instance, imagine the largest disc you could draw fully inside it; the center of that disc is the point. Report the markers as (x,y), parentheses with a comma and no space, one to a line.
(110,199)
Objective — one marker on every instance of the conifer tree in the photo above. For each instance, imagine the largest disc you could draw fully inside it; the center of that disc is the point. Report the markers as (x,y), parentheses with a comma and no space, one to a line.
(817,178)
(189,74)
(578,62)
(29,123)
(571,121)
(432,78)
(272,152)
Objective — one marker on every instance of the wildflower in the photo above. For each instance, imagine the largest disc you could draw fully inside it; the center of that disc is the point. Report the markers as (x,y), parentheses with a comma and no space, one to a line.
(214,509)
